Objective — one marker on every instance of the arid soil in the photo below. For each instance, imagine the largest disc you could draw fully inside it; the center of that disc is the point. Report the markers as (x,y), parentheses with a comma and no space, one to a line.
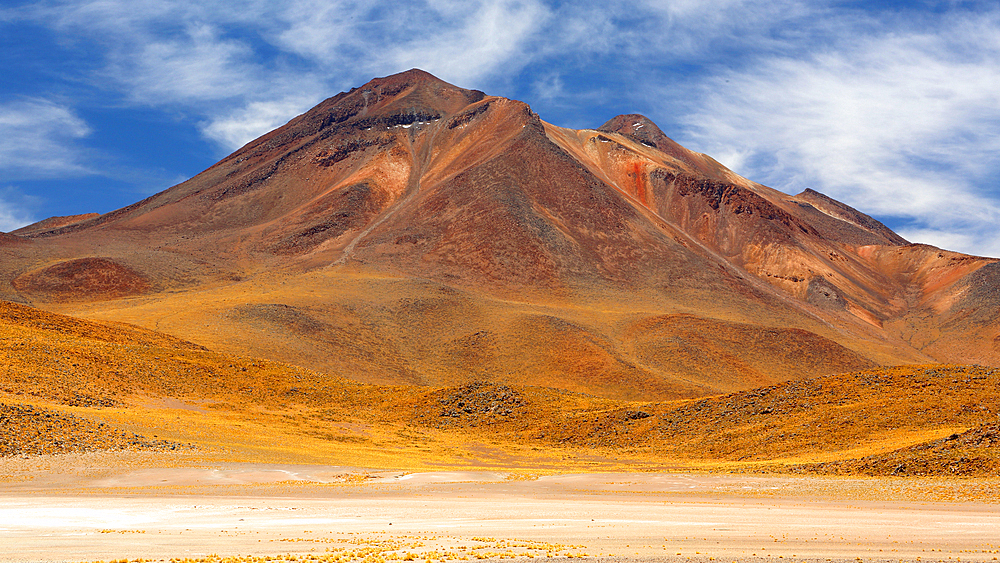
(349,514)
(69,385)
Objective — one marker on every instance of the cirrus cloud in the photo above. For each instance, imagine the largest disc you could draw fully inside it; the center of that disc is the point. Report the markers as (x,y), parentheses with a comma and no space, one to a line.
(15,210)
(902,125)
(37,139)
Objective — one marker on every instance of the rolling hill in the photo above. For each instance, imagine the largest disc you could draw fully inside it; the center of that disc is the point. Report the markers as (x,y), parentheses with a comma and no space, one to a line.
(74,386)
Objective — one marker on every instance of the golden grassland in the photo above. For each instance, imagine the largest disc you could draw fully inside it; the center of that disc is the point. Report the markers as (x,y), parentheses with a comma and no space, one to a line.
(68,385)
(373,327)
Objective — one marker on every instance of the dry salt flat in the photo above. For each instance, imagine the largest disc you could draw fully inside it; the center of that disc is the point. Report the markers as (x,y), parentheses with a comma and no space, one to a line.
(342,514)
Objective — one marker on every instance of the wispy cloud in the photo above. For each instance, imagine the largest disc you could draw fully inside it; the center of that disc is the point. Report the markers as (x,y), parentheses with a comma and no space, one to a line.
(902,124)
(247,123)
(15,209)
(162,52)
(37,140)
(473,39)
(245,71)
(698,30)
(198,65)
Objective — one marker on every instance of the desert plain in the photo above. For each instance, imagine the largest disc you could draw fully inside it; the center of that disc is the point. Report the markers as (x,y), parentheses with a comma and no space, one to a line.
(90,507)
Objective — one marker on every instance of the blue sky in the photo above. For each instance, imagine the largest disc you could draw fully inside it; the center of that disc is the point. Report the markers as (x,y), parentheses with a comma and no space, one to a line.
(892,107)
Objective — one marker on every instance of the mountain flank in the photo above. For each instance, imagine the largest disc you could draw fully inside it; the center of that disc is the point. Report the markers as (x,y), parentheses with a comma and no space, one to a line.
(411,232)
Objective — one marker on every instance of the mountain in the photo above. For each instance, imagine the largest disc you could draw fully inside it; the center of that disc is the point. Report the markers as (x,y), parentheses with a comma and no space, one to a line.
(413,232)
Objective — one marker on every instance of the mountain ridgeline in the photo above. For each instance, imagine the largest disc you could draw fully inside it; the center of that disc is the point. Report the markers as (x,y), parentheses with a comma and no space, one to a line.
(413,232)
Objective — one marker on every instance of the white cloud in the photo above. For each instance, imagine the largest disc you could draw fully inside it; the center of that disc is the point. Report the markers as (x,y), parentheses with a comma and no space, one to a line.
(37,140)
(247,70)
(348,43)
(197,65)
(14,214)
(13,218)
(260,61)
(180,51)
(236,129)
(321,30)
(938,238)
(548,87)
(901,124)
(695,28)
(161,52)
(478,39)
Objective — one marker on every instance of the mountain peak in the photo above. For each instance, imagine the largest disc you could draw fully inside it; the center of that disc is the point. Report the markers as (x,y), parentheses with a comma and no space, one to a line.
(409,77)
(637,126)
(409,96)
(642,129)
(844,212)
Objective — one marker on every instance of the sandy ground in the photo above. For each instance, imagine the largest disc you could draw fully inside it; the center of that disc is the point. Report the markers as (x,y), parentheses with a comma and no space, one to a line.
(104,513)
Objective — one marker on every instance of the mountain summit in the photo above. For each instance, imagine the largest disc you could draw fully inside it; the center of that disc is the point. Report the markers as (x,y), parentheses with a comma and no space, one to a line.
(410,231)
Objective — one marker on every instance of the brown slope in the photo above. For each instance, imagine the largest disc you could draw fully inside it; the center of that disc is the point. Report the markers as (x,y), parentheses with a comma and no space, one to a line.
(964,313)
(837,221)
(248,187)
(726,356)
(392,330)
(53,223)
(59,360)
(413,178)
(410,172)
(844,223)
(560,225)
(29,430)
(70,385)
(7,239)
(15,317)
(411,153)
(82,279)
(847,265)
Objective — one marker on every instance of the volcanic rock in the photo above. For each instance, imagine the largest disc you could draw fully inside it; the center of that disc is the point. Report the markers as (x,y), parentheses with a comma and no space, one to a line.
(411,231)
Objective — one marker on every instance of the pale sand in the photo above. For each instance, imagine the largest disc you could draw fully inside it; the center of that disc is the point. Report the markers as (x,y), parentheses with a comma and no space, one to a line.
(246,509)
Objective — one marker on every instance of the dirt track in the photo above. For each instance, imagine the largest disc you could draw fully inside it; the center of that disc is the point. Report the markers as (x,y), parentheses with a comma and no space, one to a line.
(269,510)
